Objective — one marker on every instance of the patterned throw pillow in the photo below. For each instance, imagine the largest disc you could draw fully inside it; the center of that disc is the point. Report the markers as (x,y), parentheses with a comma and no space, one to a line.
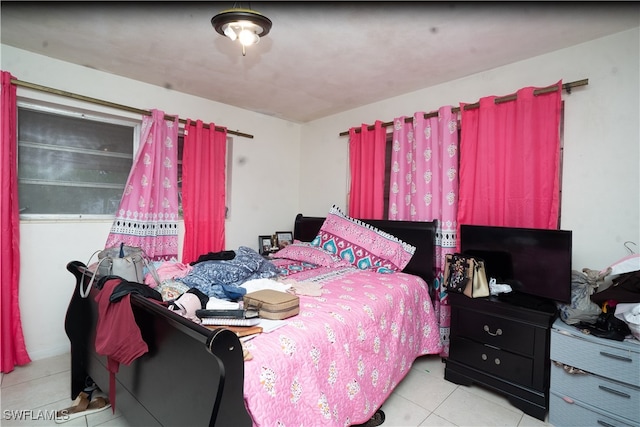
(361,244)
(305,252)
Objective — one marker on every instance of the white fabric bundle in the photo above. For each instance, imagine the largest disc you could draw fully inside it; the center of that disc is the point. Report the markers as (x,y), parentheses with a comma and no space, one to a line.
(630,314)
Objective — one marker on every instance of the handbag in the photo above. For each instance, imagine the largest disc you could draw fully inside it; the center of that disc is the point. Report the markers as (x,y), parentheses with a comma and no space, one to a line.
(272,304)
(126,262)
(466,275)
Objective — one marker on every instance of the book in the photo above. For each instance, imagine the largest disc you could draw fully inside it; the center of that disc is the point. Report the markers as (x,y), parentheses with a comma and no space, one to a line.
(240,331)
(224,321)
(228,313)
(220,304)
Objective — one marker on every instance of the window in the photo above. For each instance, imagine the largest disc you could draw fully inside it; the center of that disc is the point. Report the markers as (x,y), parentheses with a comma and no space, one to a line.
(72,164)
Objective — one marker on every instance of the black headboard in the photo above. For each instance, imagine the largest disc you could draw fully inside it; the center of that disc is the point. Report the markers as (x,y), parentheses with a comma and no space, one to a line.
(419,234)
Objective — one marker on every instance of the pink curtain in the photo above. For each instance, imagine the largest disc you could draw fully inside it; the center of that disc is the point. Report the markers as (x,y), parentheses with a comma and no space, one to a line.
(148,212)
(203,189)
(424,187)
(13,350)
(366,161)
(510,160)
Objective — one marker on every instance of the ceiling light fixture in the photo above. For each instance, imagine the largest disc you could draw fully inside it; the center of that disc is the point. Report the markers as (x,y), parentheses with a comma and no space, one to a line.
(242,24)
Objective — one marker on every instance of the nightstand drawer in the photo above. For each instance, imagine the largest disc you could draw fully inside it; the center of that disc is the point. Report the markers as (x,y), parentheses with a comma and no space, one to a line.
(568,412)
(609,360)
(491,360)
(507,334)
(598,392)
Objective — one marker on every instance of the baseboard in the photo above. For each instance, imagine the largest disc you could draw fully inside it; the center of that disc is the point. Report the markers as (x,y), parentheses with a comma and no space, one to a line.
(50,352)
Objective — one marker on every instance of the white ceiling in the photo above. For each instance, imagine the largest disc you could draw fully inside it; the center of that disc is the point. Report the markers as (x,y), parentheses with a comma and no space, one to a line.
(319,58)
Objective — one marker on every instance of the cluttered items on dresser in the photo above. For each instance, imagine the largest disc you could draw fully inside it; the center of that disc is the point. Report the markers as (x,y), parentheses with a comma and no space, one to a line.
(620,303)
(581,309)
(466,275)
(612,313)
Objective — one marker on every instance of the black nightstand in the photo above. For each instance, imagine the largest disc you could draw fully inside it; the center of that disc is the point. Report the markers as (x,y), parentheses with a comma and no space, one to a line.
(501,346)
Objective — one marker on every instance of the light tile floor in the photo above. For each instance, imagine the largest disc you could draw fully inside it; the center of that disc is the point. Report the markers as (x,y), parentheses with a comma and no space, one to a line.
(423,398)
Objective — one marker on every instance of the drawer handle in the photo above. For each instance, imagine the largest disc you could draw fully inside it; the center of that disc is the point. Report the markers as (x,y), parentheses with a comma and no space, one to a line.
(496,361)
(605,424)
(616,392)
(615,356)
(484,356)
(497,332)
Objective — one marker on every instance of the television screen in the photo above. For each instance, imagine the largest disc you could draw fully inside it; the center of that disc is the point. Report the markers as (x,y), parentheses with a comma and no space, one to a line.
(535,262)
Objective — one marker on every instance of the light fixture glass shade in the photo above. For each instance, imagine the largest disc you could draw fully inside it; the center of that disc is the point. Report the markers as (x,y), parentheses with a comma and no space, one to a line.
(244,25)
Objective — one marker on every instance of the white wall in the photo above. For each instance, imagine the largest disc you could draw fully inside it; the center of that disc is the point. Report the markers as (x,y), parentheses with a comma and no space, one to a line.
(601,179)
(259,204)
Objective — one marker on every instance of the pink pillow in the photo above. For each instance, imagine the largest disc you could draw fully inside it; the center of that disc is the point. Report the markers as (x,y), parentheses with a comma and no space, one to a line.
(305,252)
(361,244)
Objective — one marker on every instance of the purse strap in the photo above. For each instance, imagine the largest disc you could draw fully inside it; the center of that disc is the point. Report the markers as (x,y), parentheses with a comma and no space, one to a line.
(84,292)
(151,268)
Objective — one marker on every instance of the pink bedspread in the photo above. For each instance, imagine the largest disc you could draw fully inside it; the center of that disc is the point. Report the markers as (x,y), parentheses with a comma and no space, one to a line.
(338,360)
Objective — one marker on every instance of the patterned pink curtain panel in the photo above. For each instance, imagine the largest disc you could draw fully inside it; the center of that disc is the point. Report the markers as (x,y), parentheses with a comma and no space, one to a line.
(148,212)
(424,187)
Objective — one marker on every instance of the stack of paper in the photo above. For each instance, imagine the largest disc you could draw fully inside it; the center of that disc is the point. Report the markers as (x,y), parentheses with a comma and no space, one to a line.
(269,325)
(221,321)
(220,304)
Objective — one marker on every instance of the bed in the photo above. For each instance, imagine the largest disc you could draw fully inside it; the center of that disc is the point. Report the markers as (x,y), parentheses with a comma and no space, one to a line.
(327,366)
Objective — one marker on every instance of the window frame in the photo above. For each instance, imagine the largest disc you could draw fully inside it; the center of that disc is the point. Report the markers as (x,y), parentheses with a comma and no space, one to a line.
(78,113)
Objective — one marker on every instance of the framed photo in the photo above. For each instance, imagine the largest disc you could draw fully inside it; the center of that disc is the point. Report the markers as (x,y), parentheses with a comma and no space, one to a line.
(264,245)
(284,238)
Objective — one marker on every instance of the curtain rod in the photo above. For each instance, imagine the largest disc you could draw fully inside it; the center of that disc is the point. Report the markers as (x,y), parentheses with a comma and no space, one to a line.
(566,86)
(111,104)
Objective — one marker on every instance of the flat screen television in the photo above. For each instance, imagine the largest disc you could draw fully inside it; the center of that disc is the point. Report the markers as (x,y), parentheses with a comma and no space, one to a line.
(536,263)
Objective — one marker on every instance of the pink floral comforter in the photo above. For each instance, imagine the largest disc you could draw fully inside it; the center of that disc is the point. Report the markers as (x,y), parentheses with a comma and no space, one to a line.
(338,360)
